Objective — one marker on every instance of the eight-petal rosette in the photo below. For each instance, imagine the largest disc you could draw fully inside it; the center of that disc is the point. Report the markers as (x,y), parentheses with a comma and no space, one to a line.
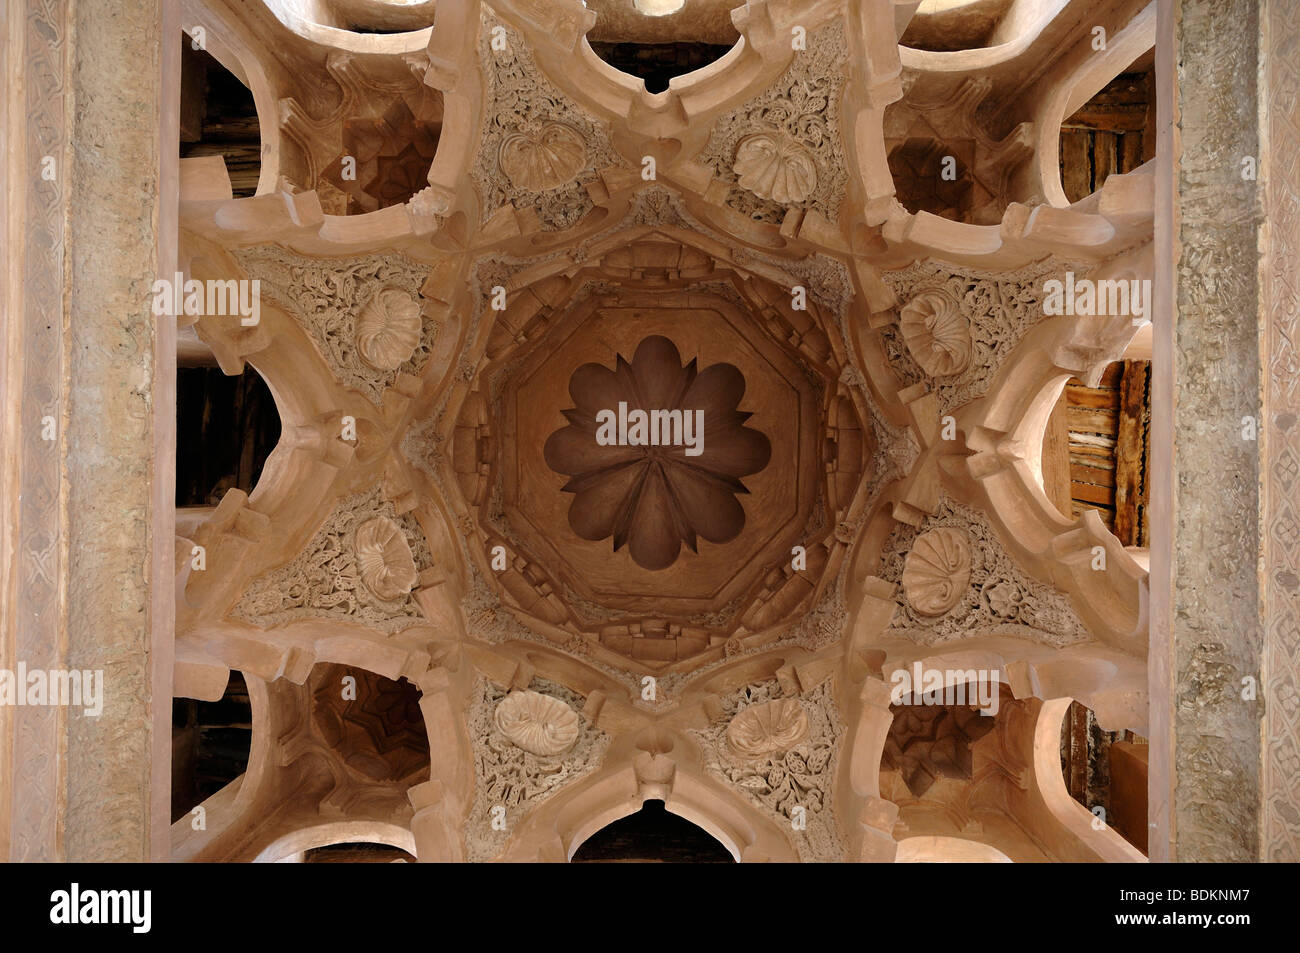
(652,489)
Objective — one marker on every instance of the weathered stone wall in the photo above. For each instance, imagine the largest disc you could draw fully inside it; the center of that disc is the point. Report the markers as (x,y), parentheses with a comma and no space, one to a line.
(1280,112)
(1216,613)
(87,441)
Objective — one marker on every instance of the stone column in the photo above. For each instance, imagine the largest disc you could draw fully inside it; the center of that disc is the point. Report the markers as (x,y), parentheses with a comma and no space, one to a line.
(1225,763)
(86,508)
(1279,434)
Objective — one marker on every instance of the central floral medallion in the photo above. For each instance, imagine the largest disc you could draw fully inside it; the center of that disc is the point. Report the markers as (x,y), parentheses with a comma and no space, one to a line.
(655,451)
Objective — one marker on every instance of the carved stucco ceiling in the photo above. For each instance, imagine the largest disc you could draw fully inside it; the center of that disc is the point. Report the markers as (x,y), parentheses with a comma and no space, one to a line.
(675,479)
(871,383)
(648,550)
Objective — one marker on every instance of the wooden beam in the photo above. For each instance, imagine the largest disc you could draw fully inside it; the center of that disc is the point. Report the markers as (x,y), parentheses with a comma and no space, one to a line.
(1130,452)
(1056,458)
(1076,164)
(1104,158)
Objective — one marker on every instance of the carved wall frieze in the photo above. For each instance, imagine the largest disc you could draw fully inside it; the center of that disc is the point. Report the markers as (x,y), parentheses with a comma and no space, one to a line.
(798,120)
(998,594)
(328,579)
(538,148)
(998,308)
(802,776)
(354,310)
(510,781)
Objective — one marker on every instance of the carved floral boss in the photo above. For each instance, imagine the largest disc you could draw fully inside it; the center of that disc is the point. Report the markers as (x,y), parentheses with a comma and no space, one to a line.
(641,469)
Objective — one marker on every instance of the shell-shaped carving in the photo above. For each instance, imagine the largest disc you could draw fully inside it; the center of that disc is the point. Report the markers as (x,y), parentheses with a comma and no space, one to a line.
(768,728)
(388,329)
(547,160)
(775,167)
(937,571)
(538,723)
(384,559)
(936,332)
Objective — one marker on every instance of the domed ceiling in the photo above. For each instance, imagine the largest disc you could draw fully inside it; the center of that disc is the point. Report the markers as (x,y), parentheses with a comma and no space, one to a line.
(666,407)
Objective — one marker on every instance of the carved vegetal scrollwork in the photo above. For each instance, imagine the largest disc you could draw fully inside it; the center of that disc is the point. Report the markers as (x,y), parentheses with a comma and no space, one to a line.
(937,571)
(539,148)
(510,778)
(538,723)
(346,307)
(552,156)
(327,579)
(802,111)
(789,780)
(936,332)
(774,166)
(995,596)
(770,728)
(996,309)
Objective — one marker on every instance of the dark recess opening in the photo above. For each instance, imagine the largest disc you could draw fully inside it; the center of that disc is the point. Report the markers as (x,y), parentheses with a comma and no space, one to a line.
(657,63)
(226,427)
(210,745)
(655,836)
(358,853)
(219,117)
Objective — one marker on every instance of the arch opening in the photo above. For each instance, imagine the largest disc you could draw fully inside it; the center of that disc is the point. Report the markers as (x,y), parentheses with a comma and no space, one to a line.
(219,118)
(211,744)
(652,835)
(226,428)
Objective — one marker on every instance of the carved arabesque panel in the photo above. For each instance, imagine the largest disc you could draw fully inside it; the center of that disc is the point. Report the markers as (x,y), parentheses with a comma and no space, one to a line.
(799,118)
(538,149)
(996,309)
(328,296)
(510,778)
(325,580)
(801,776)
(997,597)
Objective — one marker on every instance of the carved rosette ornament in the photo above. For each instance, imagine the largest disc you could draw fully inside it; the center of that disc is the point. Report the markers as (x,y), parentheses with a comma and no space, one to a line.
(537,723)
(937,571)
(936,332)
(654,498)
(774,166)
(770,728)
(384,559)
(388,329)
(546,160)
